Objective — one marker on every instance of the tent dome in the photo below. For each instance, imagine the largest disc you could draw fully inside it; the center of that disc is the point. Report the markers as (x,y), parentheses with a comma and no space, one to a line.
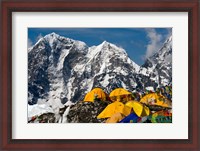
(113,108)
(96,93)
(120,94)
(119,91)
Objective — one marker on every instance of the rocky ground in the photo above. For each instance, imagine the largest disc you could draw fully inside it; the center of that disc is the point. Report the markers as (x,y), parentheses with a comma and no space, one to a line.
(86,112)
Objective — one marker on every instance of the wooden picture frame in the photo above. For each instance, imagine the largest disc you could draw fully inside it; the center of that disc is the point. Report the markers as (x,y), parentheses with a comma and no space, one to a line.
(9,6)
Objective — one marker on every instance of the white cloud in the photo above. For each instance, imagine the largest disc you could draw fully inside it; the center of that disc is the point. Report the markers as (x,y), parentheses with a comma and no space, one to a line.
(39,36)
(30,43)
(154,42)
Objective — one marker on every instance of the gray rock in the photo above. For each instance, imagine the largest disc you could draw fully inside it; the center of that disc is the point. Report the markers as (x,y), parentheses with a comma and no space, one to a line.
(86,112)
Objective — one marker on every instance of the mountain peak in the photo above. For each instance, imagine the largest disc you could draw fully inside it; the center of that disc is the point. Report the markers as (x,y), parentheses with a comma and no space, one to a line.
(54,39)
(105,42)
(52,35)
(108,47)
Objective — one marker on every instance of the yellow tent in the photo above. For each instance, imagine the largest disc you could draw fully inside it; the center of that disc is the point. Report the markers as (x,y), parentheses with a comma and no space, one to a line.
(139,109)
(120,94)
(114,108)
(95,93)
(156,99)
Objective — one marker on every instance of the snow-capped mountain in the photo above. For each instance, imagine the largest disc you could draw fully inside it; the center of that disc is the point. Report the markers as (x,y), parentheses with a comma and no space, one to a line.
(62,69)
(50,63)
(159,66)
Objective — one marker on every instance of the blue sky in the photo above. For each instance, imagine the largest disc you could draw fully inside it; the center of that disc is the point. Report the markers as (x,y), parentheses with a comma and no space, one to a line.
(139,43)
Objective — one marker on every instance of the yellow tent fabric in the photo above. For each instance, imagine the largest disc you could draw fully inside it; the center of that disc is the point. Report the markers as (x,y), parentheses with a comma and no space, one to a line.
(139,109)
(114,108)
(96,92)
(119,91)
(115,118)
(120,94)
(156,99)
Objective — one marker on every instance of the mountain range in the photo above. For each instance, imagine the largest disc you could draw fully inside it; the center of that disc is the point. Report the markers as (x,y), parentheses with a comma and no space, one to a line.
(62,70)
